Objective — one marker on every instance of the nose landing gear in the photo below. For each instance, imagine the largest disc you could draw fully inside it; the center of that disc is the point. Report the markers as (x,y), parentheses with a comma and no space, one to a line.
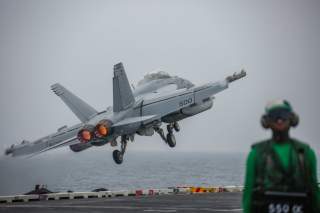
(176,126)
(170,138)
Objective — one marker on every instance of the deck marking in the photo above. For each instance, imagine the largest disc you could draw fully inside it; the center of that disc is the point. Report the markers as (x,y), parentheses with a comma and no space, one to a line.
(145,208)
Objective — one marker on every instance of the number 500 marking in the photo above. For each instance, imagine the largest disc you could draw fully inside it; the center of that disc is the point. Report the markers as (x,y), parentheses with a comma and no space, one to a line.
(185,102)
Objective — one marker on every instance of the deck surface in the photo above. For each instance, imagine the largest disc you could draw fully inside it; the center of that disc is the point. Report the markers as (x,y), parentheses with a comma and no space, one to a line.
(213,202)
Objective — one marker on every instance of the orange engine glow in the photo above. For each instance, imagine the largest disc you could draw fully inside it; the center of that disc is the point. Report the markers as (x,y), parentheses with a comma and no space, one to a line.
(102,130)
(86,135)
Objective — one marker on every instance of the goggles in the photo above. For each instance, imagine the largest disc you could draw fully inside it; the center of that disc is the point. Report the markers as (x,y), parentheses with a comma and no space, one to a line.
(277,114)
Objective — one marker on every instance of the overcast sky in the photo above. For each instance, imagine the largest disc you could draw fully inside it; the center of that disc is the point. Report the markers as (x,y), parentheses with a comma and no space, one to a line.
(76,43)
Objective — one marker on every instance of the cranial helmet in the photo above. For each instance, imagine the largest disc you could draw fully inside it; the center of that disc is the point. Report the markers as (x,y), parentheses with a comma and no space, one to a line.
(279,109)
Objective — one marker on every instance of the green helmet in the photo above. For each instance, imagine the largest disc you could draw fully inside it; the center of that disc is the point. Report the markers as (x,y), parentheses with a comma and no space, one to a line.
(278,104)
(279,108)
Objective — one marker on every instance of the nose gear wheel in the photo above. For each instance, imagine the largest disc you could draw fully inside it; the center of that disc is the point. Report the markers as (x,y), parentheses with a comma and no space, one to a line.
(169,138)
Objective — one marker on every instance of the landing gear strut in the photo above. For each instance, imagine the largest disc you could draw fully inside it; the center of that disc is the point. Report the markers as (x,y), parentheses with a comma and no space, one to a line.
(170,138)
(118,155)
(176,126)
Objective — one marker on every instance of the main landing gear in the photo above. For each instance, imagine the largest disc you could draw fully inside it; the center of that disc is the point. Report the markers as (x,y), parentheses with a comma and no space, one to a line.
(118,155)
(170,138)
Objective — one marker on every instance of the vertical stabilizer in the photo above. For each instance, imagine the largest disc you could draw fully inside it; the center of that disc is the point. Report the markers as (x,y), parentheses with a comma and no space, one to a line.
(122,94)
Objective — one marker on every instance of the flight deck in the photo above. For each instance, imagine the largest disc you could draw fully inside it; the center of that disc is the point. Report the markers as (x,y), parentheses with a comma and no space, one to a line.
(200,202)
(172,199)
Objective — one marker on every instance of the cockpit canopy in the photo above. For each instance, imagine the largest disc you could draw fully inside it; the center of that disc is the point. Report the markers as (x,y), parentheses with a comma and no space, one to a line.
(158,80)
(154,76)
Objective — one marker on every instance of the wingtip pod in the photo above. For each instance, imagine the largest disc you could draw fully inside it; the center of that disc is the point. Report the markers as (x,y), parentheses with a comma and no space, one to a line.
(236,76)
(17,149)
(57,89)
(8,151)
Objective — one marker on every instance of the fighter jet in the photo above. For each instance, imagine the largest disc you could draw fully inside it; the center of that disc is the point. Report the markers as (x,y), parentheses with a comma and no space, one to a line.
(157,99)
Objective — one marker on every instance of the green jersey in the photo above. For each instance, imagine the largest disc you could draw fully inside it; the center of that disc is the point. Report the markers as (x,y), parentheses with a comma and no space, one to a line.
(284,153)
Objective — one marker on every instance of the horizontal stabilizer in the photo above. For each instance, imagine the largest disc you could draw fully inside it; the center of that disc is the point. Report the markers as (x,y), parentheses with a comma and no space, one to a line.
(80,108)
(122,93)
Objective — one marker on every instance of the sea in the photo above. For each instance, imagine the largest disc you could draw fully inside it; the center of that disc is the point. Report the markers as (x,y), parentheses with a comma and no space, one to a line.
(95,168)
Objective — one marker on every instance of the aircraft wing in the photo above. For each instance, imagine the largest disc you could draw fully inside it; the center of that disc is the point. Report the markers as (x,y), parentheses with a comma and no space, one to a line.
(64,137)
(67,142)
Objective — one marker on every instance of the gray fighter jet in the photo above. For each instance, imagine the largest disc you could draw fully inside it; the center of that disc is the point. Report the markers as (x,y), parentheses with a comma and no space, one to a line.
(158,98)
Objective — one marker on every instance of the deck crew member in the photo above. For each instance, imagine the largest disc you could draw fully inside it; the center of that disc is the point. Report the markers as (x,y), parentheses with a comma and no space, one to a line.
(281,172)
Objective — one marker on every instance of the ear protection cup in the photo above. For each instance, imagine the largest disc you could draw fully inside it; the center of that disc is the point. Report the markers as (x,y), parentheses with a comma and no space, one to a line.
(294,119)
(265,122)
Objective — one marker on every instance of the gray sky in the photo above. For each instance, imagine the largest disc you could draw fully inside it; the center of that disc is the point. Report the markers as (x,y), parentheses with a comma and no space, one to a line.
(76,43)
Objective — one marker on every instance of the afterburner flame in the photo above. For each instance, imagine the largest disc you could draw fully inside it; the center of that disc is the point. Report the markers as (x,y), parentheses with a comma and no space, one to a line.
(102,129)
(85,135)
